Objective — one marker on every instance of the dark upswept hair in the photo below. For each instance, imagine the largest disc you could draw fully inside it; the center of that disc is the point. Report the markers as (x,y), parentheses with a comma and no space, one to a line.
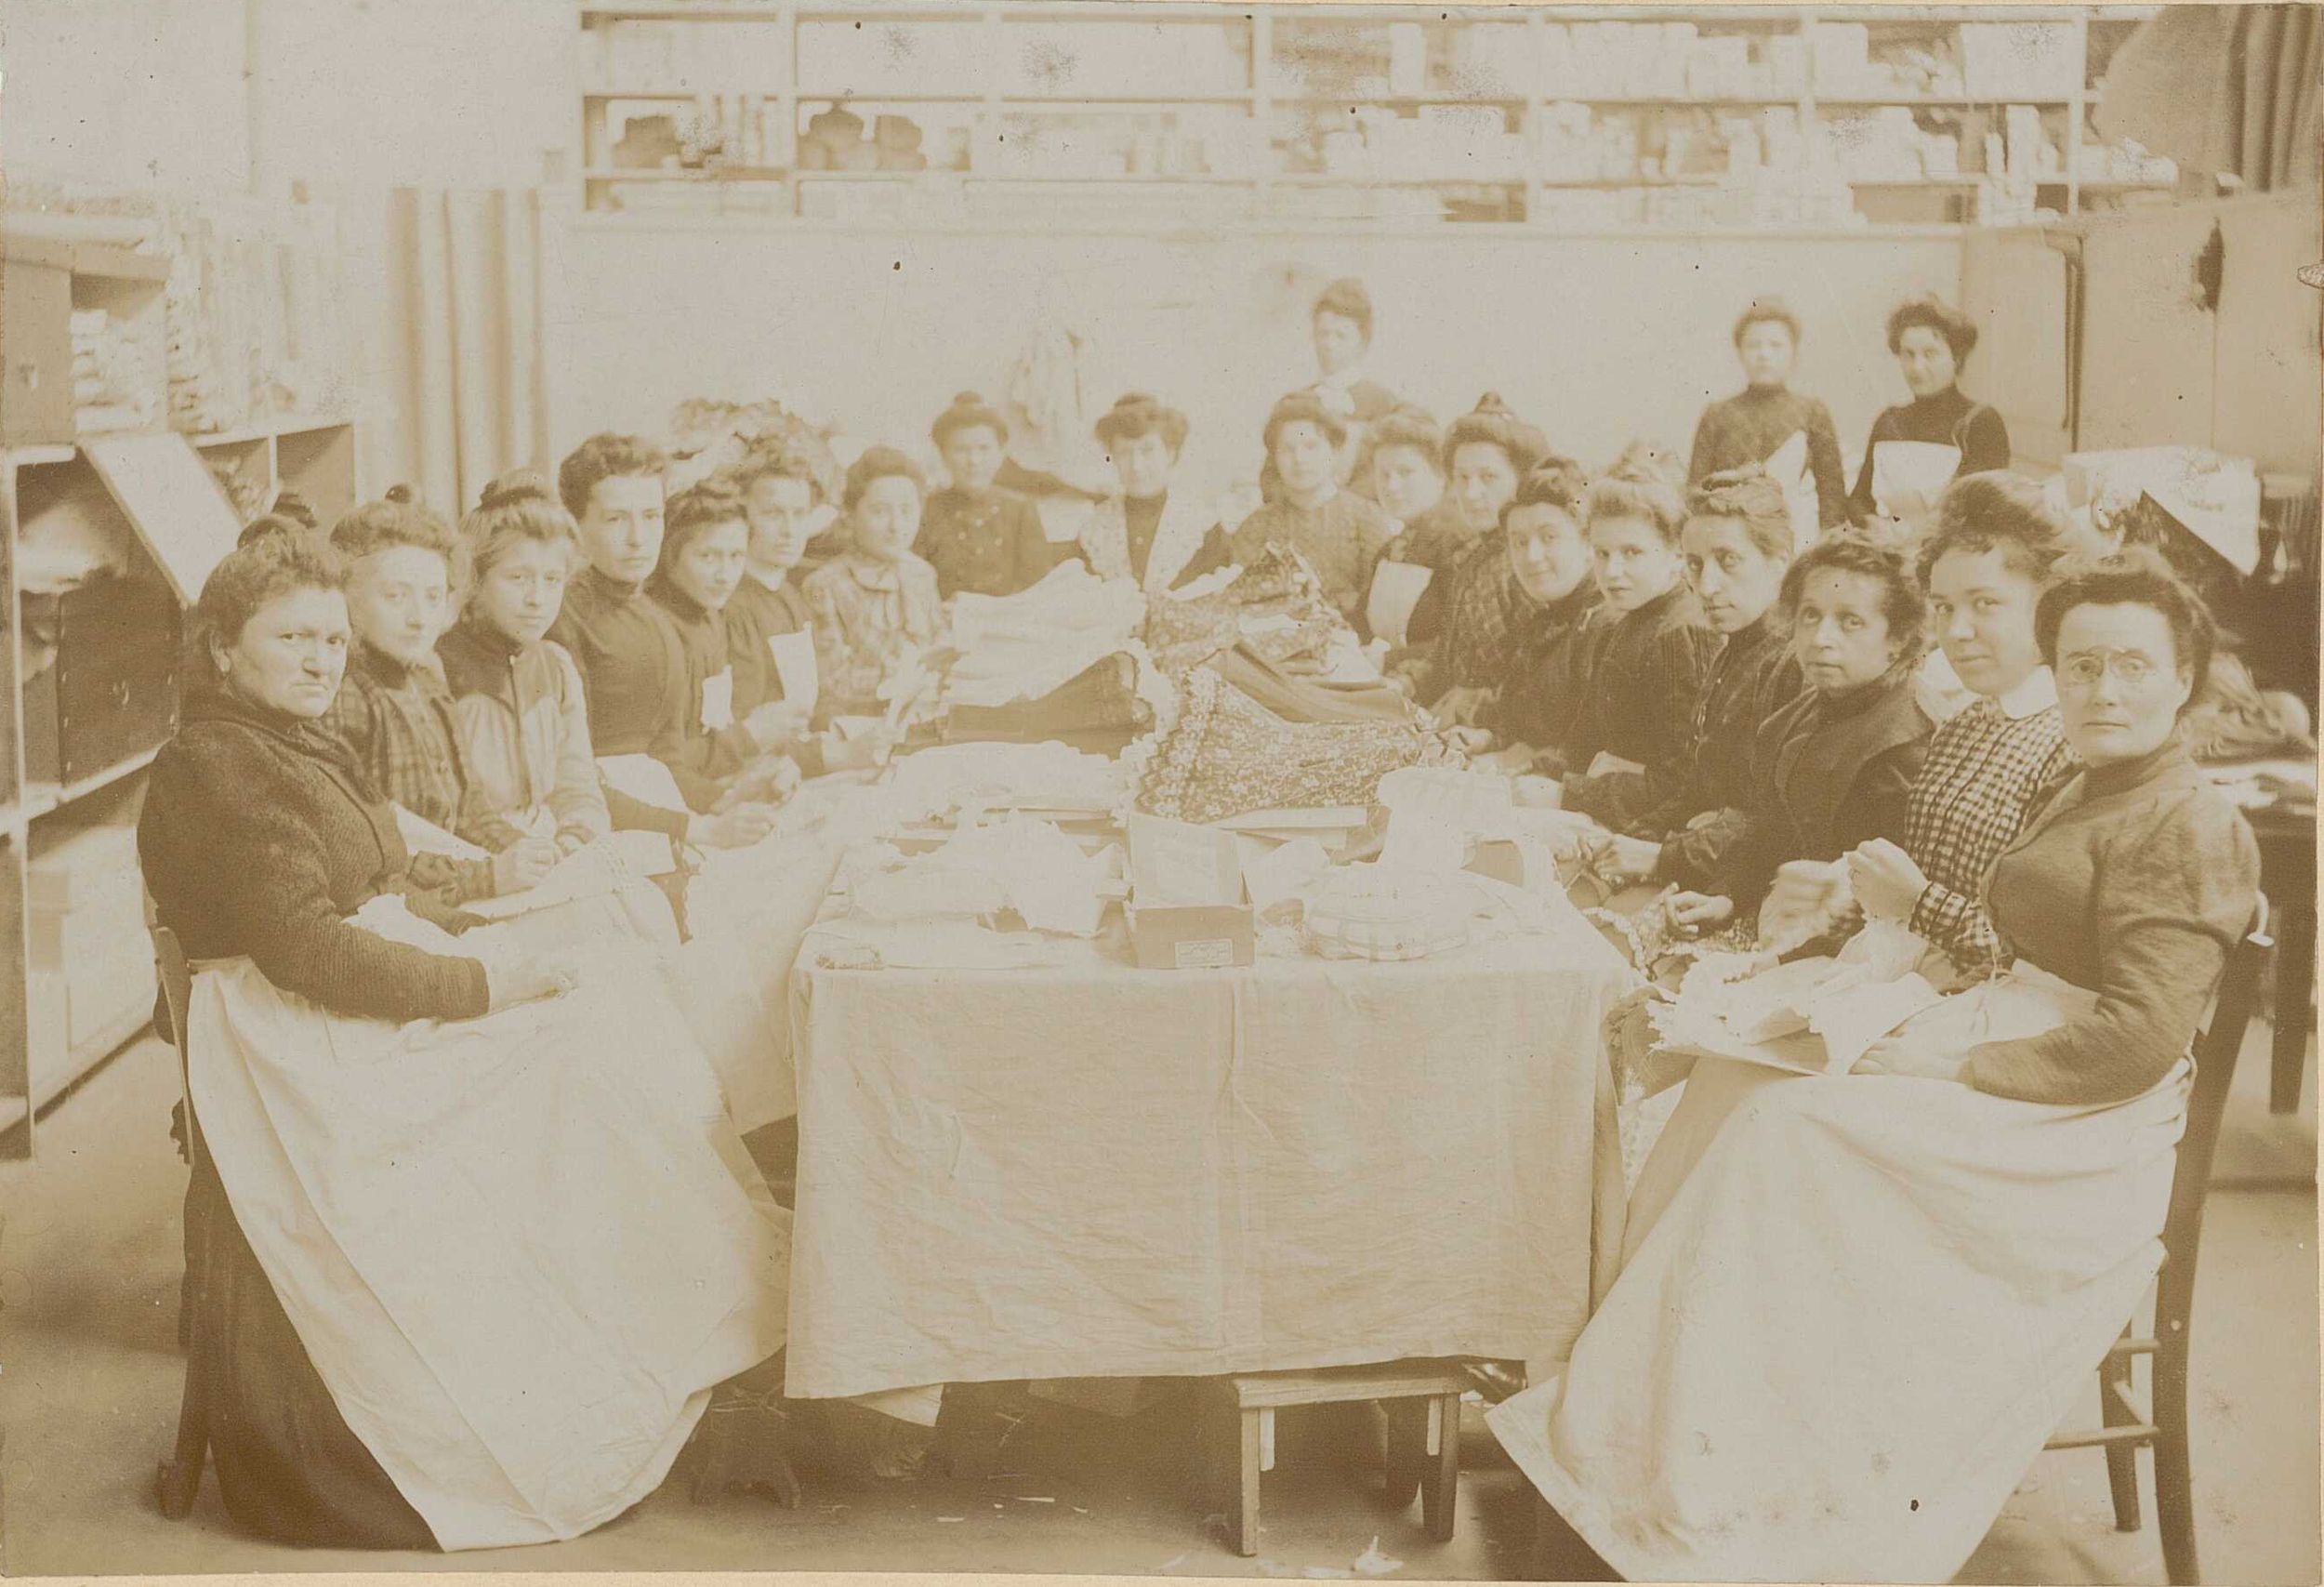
(777,463)
(514,509)
(1490,423)
(2135,576)
(275,557)
(879,463)
(1298,407)
(1139,413)
(1632,490)
(1552,482)
(1958,331)
(1766,311)
(1347,298)
(696,510)
(1902,603)
(1750,496)
(1996,511)
(394,520)
(969,411)
(606,456)
(1407,425)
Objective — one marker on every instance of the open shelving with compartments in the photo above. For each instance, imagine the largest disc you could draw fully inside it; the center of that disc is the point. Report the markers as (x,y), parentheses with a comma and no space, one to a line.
(1571,117)
(91,568)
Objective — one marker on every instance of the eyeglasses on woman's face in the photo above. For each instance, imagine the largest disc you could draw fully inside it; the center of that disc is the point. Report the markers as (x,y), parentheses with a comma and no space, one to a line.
(2129,668)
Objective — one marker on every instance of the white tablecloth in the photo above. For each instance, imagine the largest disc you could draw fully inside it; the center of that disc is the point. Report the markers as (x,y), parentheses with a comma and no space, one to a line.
(1096,1170)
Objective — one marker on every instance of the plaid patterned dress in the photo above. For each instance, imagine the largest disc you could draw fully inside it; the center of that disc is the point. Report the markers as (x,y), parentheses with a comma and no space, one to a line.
(1989,767)
(398,719)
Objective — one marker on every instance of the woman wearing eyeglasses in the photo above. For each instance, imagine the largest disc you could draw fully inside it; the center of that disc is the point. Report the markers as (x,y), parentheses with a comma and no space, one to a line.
(1852,1308)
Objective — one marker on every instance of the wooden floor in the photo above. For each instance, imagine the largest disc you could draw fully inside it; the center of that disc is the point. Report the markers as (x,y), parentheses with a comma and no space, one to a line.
(89,1378)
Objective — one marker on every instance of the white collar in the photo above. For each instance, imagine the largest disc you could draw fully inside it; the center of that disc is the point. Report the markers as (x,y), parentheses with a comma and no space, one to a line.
(2036,695)
(777,583)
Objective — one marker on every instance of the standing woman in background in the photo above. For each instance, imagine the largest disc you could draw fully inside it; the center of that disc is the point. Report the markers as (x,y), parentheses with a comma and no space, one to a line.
(1748,429)
(1143,531)
(978,536)
(1932,342)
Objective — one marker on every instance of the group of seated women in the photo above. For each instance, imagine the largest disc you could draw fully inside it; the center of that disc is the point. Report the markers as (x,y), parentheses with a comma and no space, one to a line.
(481,1240)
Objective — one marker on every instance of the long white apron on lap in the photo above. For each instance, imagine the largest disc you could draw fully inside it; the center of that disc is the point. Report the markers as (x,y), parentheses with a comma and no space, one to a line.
(520,1249)
(1850,1312)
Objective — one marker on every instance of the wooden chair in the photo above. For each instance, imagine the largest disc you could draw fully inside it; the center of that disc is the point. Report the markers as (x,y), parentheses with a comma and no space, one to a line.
(179,1479)
(2161,1423)
(1423,1399)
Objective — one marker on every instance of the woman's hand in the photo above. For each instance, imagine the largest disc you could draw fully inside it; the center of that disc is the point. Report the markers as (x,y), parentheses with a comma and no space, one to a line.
(549,976)
(867,749)
(737,827)
(1462,706)
(1635,858)
(1890,1055)
(775,723)
(1884,879)
(1700,911)
(523,865)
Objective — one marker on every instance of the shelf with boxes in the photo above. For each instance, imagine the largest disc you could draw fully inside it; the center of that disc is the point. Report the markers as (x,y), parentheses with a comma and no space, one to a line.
(1802,118)
(107,542)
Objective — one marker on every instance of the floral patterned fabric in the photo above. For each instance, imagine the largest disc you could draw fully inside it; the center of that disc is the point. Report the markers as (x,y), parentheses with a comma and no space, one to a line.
(1226,755)
(869,615)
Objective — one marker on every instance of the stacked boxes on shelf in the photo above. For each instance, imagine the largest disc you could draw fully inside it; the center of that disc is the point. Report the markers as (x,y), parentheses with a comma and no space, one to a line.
(1669,60)
(92,963)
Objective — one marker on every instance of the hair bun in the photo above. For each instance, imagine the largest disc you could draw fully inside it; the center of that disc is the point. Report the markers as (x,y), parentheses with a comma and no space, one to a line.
(1727,478)
(1491,403)
(1137,400)
(402,495)
(272,526)
(967,400)
(518,485)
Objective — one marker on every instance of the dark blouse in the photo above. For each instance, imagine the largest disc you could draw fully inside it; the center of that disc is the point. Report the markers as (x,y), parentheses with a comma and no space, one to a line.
(2134,883)
(1441,541)
(260,837)
(755,615)
(1949,419)
(1340,539)
(1141,516)
(1475,620)
(1754,677)
(1549,663)
(1646,682)
(1748,427)
(987,542)
(1828,772)
(634,669)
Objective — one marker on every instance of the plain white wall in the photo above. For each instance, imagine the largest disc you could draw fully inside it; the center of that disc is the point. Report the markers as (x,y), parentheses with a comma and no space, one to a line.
(134,94)
(1598,340)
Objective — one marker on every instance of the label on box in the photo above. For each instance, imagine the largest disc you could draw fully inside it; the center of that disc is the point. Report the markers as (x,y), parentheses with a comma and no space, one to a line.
(1210,953)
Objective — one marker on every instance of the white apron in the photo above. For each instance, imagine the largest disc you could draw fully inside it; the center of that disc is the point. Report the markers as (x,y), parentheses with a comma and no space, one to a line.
(520,1249)
(1851,1311)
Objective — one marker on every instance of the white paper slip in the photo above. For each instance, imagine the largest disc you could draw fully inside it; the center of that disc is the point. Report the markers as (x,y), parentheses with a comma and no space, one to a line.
(1176,862)
(1396,589)
(642,777)
(793,659)
(717,701)
(425,837)
(1787,465)
(1608,764)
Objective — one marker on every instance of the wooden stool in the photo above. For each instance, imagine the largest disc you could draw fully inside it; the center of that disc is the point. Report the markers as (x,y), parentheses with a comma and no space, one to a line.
(1423,1399)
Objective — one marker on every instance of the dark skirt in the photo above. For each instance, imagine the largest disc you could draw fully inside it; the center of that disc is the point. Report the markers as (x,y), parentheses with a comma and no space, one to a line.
(288,1467)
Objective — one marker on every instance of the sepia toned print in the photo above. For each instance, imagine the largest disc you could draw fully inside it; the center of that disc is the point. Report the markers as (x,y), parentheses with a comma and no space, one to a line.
(1159,790)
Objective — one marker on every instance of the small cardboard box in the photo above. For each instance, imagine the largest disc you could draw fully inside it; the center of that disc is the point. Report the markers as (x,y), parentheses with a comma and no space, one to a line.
(1192,937)
(1187,910)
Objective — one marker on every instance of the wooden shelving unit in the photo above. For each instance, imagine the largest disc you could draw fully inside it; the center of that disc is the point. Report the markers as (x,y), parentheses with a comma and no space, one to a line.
(47,491)
(1285,103)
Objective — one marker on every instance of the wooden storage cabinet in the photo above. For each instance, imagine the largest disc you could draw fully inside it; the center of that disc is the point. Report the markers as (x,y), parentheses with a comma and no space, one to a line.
(109,688)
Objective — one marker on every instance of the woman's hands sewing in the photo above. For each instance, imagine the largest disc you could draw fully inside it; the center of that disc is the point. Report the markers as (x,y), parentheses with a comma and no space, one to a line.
(523,865)
(1884,879)
(1700,911)
(775,723)
(1462,707)
(550,975)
